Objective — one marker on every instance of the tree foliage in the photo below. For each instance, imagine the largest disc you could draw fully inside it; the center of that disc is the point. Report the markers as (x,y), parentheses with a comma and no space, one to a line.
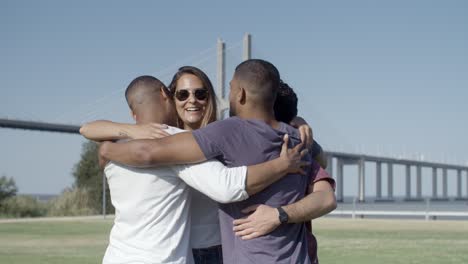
(22,206)
(72,202)
(7,187)
(88,176)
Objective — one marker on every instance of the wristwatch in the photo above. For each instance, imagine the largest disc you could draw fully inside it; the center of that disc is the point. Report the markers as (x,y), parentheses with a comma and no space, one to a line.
(283,216)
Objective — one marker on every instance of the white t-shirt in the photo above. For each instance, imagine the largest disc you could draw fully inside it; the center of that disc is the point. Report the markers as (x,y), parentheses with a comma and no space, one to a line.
(152,218)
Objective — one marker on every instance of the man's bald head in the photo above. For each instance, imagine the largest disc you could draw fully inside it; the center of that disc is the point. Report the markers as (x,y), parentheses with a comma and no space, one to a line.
(145,99)
(143,90)
(260,79)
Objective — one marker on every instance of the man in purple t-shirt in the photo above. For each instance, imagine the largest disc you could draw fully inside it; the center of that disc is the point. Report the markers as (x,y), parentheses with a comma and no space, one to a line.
(249,142)
(253,136)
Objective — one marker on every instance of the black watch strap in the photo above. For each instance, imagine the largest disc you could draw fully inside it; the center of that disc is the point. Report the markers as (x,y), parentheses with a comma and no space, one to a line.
(283,216)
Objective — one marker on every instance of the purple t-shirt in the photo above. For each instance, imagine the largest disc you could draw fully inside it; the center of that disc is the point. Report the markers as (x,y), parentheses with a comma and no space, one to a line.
(238,142)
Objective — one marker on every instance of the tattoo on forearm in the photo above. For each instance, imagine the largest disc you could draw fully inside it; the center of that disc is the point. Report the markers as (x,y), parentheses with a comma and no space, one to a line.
(123,134)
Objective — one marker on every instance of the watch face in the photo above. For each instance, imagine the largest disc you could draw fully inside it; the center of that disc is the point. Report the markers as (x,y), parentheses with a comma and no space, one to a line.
(283,216)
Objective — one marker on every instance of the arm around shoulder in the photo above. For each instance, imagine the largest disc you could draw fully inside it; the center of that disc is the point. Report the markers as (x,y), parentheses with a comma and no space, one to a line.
(102,130)
(177,149)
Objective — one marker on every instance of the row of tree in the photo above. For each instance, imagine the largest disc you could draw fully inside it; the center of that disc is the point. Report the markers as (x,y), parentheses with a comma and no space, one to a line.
(88,175)
(84,197)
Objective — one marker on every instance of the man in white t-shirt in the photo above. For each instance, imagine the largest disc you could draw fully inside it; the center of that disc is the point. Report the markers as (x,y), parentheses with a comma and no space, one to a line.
(152,223)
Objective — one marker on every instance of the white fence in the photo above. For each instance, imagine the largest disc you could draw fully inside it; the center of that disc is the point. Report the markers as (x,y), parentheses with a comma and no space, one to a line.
(428,215)
(457,210)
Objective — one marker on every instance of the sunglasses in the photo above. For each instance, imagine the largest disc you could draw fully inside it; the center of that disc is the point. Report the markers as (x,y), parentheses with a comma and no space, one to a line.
(200,94)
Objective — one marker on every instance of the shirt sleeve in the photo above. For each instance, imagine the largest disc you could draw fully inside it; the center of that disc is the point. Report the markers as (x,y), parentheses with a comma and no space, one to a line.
(216,137)
(319,174)
(218,182)
(109,169)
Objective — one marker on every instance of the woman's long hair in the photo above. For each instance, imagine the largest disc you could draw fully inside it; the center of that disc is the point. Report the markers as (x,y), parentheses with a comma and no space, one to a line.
(211,107)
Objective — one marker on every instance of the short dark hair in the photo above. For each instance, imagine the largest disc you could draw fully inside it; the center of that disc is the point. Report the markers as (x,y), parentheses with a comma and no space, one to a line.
(143,85)
(286,103)
(261,78)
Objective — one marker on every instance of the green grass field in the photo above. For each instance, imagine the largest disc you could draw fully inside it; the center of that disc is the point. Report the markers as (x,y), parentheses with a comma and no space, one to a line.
(391,241)
(340,241)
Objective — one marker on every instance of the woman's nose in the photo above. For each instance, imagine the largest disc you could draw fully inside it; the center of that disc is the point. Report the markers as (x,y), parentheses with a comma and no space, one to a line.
(192,98)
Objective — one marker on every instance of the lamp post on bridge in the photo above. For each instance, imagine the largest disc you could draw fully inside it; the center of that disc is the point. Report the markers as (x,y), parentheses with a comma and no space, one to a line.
(221,71)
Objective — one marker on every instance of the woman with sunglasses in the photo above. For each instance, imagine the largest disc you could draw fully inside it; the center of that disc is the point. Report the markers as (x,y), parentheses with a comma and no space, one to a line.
(194,98)
(195,102)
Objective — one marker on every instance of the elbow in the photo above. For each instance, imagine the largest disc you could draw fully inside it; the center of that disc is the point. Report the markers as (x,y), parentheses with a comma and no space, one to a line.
(103,150)
(331,203)
(87,132)
(84,130)
(252,189)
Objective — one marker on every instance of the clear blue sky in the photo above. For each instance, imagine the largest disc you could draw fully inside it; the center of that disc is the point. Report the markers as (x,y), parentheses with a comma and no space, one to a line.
(382,77)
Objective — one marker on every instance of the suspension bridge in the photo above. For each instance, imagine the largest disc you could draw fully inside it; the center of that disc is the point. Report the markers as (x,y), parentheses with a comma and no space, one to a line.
(384,166)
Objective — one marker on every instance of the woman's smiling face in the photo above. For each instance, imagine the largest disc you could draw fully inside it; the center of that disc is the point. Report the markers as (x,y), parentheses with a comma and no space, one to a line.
(191,109)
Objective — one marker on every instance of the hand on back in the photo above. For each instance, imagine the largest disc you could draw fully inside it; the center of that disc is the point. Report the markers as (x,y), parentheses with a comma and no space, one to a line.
(307,135)
(293,157)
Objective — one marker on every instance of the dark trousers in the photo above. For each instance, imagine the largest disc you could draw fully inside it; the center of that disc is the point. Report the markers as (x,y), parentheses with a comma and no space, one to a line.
(211,255)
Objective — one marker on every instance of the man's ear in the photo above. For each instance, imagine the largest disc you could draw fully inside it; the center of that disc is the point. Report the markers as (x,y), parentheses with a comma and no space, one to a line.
(164,94)
(242,95)
(134,116)
(167,100)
